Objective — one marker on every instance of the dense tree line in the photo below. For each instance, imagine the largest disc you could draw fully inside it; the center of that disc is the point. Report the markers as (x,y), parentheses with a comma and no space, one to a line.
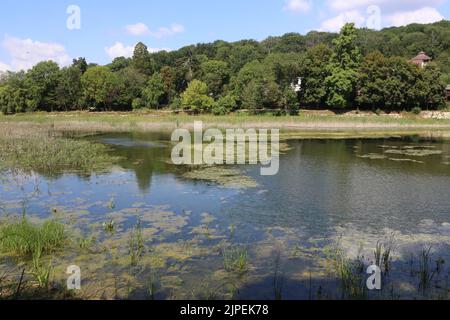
(357,68)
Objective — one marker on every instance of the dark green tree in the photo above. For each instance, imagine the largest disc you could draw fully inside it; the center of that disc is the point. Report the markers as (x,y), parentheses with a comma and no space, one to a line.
(341,82)
(142,60)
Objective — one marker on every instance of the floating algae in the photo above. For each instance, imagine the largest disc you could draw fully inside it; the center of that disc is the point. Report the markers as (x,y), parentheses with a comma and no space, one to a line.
(207,218)
(414,152)
(372,156)
(225,177)
(165,221)
(406,160)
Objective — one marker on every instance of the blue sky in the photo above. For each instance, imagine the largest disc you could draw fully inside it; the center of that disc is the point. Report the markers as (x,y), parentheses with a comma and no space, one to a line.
(35,30)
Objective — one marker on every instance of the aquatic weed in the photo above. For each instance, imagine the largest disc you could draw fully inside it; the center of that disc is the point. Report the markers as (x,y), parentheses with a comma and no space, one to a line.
(136,244)
(235,259)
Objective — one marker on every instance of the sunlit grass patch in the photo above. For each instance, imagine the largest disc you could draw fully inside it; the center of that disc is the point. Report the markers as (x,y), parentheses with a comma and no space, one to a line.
(25,239)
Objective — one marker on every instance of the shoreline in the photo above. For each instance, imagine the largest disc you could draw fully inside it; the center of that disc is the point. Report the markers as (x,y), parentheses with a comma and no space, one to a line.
(158,121)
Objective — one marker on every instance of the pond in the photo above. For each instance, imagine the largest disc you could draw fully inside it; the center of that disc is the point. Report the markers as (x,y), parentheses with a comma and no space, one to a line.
(230,233)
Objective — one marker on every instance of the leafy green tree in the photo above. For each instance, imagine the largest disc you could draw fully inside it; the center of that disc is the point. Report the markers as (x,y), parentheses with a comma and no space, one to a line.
(195,99)
(120,63)
(261,93)
(243,52)
(131,84)
(14,94)
(101,88)
(284,67)
(216,75)
(142,60)
(42,81)
(153,93)
(256,87)
(81,64)
(290,101)
(68,90)
(169,78)
(252,96)
(343,68)
(313,72)
(431,87)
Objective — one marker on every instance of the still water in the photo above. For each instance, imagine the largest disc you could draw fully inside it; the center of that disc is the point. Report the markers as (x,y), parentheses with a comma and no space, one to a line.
(329,193)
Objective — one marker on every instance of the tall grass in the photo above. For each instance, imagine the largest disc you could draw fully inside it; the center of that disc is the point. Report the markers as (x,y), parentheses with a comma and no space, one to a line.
(25,239)
(383,256)
(41,149)
(136,244)
(40,269)
(350,274)
(426,274)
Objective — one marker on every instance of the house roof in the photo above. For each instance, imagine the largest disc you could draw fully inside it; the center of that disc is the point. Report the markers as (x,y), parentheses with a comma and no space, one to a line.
(448,87)
(421,57)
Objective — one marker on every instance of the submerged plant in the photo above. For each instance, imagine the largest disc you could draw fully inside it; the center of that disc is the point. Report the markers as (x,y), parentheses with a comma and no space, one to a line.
(425,274)
(383,256)
(136,244)
(350,275)
(235,259)
(111,204)
(110,226)
(86,243)
(278,278)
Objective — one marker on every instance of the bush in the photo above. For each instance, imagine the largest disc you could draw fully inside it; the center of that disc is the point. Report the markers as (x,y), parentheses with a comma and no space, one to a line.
(224,105)
(416,110)
(137,104)
(195,99)
(177,103)
(291,104)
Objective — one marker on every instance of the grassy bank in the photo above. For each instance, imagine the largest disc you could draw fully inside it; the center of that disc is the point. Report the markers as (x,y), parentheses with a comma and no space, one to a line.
(156,121)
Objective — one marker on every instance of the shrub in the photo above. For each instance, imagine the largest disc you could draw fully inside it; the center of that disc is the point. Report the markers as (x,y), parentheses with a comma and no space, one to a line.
(416,110)
(195,98)
(224,105)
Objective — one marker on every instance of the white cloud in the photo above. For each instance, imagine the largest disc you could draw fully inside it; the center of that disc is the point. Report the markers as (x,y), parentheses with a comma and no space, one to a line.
(424,15)
(138,29)
(297,6)
(141,29)
(25,53)
(385,12)
(121,50)
(4,67)
(336,23)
